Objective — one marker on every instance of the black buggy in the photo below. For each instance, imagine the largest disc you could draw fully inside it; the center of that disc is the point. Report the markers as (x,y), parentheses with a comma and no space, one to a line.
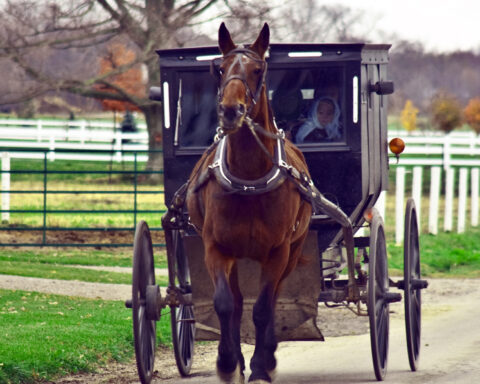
(349,167)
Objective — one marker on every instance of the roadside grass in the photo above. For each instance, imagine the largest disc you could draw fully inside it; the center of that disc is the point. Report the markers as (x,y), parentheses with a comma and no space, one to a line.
(119,257)
(54,264)
(450,255)
(46,336)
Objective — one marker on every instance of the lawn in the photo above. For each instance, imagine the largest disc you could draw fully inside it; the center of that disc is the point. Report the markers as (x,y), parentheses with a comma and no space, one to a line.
(44,336)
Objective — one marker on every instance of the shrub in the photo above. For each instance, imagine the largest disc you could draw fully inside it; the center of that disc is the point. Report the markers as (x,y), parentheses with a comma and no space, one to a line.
(446,112)
(472,114)
(408,116)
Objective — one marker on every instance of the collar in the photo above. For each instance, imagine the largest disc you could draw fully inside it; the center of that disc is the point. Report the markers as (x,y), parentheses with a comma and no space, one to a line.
(232,184)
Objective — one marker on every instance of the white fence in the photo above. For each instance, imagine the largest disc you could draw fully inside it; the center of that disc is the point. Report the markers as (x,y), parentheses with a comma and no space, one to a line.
(70,135)
(441,157)
(446,158)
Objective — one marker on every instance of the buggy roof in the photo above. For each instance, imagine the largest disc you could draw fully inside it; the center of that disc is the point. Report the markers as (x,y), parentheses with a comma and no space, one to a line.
(283,53)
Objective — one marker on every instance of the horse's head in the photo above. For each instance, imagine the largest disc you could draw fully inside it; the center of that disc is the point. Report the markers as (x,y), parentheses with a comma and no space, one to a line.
(242,75)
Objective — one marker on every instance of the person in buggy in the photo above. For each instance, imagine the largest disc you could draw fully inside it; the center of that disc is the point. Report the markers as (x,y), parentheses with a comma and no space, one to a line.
(323,123)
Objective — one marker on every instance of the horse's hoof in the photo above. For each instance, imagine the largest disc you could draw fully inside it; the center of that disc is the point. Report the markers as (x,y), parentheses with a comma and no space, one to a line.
(235,377)
(263,379)
(272,374)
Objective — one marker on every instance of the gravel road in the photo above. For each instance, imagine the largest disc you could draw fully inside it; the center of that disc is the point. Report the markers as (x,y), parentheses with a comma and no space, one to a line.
(450,341)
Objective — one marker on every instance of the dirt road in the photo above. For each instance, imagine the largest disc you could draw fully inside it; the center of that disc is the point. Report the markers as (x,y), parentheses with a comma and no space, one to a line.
(450,348)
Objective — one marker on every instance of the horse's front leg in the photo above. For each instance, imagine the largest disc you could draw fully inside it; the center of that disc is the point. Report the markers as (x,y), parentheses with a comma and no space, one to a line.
(263,361)
(265,342)
(237,315)
(220,268)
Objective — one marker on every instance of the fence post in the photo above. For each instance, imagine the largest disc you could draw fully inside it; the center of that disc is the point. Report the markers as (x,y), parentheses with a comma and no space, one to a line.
(474,200)
(5,187)
(462,200)
(446,152)
(399,197)
(449,183)
(51,154)
(39,130)
(83,131)
(417,193)
(118,146)
(434,200)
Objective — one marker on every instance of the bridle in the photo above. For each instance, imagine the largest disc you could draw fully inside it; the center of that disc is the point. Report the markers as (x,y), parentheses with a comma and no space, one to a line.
(238,53)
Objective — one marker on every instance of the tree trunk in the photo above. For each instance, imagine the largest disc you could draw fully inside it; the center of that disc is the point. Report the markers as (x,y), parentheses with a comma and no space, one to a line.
(153,116)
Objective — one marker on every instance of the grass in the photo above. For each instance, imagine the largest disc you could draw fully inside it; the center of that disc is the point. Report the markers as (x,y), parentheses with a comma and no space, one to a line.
(445,255)
(121,257)
(45,336)
(62,265)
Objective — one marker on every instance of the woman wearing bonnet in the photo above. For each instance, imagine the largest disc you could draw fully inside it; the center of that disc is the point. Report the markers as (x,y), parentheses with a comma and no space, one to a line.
(323,123)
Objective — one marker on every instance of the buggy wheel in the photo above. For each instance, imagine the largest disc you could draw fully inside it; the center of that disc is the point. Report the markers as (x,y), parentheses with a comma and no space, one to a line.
(143,302)
(378,297)
(412,285)
(182,316)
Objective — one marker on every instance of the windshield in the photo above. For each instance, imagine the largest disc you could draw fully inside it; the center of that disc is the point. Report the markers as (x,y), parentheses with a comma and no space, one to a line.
(307,103)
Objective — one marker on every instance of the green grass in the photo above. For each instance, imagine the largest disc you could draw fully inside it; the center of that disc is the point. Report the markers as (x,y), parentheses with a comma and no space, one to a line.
(51,265)
(121,257)
(445,255)
(44,336)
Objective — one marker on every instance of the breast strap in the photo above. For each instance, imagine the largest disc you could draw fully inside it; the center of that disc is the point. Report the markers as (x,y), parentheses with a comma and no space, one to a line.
(232,184)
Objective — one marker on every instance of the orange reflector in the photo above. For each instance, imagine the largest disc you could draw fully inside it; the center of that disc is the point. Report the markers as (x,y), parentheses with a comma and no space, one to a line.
(368,214)
(397,146)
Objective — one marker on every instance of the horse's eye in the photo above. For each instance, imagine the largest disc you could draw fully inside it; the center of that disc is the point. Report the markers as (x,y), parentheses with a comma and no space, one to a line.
(221,71)
(257,71)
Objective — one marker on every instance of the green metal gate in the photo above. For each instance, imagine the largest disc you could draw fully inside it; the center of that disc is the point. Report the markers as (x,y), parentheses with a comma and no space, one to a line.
(14,231)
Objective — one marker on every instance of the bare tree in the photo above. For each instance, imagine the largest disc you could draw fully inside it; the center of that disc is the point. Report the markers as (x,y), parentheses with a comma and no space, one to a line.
(33,34)
(308,21)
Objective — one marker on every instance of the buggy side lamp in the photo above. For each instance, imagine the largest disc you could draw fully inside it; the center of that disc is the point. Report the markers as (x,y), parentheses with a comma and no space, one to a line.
(155,93)
(382,87)
(397,146)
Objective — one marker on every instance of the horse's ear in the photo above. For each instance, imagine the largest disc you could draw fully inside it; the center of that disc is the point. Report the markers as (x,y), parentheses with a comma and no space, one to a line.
(225,42)
(263,40)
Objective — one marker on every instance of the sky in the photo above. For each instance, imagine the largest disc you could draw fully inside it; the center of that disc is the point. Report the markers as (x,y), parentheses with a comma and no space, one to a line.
(440,25)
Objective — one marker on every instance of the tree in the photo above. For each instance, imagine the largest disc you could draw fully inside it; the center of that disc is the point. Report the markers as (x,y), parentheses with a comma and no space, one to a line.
(472,114)
(129,81)
(309,21)
(408,116)
(446,111)
(34,35)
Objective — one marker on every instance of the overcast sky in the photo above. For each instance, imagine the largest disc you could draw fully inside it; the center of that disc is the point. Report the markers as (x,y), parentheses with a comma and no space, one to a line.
(441,25)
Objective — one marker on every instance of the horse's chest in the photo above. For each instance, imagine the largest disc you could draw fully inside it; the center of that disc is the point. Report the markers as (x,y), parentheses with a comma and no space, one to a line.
(249,225)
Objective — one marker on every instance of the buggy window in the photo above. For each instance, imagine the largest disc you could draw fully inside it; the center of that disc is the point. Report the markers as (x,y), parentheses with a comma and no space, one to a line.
(198,117)
(308,103)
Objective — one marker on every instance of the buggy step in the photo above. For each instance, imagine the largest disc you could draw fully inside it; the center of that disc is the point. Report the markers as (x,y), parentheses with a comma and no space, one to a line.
(128,303)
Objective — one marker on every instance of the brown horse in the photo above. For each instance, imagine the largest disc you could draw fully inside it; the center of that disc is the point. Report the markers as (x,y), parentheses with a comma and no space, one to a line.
(244,205)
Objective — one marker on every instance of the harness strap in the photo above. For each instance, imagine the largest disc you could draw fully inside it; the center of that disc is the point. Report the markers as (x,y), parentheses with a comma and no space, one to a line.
(232,184)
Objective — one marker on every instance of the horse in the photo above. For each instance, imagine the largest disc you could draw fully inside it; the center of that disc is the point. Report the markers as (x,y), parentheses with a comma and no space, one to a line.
(244,201)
